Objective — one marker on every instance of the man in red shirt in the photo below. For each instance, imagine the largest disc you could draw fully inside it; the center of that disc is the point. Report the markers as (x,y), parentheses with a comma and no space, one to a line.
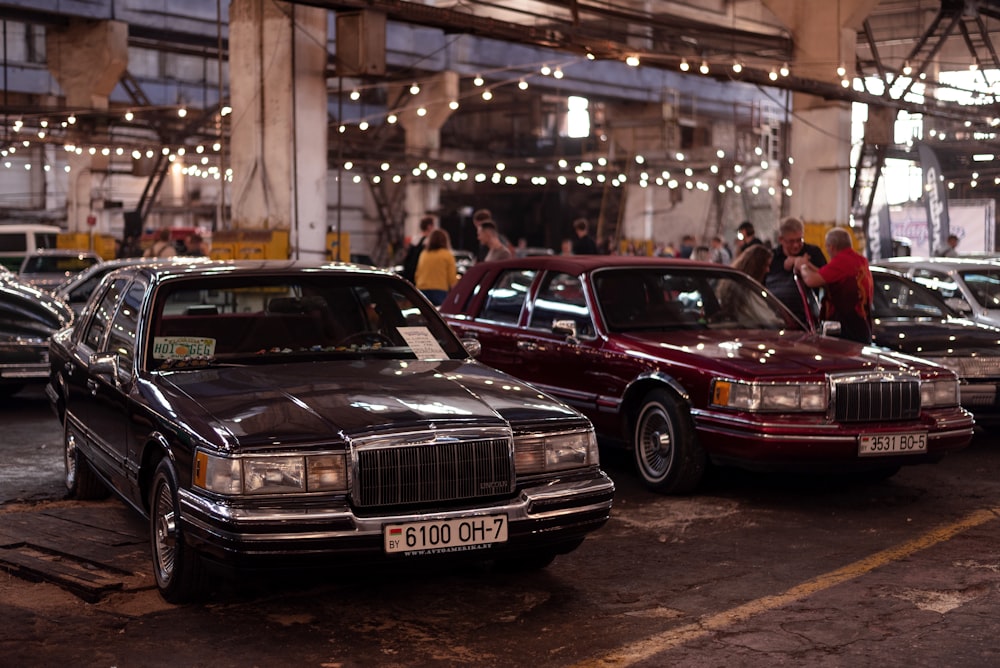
(848,286)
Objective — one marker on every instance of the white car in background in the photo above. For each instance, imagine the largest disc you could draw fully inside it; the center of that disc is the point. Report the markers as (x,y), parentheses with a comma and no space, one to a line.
(971,286)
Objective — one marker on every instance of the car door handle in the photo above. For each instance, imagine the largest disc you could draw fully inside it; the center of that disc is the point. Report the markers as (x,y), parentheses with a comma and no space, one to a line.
(92,386)
(530,346)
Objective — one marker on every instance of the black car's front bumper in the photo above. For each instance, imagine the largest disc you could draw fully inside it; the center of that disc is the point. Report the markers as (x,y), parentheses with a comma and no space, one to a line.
(544,516)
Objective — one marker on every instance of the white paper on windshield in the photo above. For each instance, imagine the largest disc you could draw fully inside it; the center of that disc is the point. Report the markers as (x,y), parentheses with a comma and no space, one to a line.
(179,347)
(422,343)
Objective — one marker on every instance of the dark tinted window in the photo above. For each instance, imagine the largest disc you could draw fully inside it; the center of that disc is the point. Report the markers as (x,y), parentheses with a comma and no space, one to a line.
(506,298)
(561,297)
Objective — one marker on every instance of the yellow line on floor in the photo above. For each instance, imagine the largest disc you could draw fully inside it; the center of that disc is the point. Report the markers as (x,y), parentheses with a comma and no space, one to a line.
(649,647)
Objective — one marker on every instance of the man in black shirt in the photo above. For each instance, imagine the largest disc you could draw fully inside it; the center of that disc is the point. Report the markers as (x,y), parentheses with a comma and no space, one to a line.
(584,244)
(780,278)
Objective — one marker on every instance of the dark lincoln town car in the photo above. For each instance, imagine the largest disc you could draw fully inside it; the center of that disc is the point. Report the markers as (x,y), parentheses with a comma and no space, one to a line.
(689,363)
(263,414)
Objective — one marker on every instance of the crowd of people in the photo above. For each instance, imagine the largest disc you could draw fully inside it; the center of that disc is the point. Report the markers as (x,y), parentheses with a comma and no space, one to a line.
(841,272)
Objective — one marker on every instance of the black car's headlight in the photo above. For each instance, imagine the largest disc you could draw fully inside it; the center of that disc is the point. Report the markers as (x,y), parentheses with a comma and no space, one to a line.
(772,397)
(271,474)
(544,452)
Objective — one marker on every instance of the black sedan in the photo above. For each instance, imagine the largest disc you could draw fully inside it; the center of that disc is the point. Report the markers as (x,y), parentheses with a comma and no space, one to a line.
(268,413)
(911,318)
(28,317)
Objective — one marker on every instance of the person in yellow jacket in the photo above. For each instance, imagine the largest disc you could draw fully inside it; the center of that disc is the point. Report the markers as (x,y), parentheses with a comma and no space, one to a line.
(436,270)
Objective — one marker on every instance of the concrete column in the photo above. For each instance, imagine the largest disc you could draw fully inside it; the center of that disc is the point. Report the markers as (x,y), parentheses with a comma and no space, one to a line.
(86,58)
(824,33)
(423,138)
(277,70)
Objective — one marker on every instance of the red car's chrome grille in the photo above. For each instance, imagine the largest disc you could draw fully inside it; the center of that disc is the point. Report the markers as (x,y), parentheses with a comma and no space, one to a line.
(433,472)
(877,400)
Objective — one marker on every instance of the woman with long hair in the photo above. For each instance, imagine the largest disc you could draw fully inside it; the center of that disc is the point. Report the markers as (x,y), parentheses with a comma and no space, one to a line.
(436,271)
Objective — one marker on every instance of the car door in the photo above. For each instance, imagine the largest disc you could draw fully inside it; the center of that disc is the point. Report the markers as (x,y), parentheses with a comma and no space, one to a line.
(87,393)
(559,346)
(110,412)
(496,325)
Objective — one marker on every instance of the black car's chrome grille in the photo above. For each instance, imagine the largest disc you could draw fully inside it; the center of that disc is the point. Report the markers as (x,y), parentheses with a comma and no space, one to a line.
(877,399)
(433,472)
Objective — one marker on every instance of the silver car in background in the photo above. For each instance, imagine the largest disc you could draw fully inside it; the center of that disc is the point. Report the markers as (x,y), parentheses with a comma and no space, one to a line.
(970,286)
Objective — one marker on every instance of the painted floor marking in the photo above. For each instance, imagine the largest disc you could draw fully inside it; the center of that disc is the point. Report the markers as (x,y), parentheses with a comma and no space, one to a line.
(647,648)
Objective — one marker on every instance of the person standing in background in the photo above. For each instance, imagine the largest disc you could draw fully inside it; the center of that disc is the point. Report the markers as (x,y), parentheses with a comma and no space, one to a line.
(490,238)
(720,252)
(781,276)
(416,247)
(850,288)
(583,244)
(195,245)
(436,272)
(162,247)
(746,236)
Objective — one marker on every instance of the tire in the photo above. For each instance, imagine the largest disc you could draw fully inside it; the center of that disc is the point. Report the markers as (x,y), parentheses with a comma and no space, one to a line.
(81,481)
(667,455)
(179,572)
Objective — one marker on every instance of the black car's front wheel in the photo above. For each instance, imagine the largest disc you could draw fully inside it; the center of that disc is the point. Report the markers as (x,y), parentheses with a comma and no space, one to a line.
(179,572)
(666,451)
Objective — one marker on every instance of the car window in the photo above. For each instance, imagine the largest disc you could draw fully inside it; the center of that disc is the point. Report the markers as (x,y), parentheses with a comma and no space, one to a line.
(121,336)
(674,299)
(985,286)
(261,319)
(93,335)
(938,281)
(506,298)
(561,297)
(896,298)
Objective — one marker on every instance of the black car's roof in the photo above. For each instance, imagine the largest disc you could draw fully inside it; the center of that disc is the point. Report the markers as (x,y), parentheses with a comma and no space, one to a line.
(164,270)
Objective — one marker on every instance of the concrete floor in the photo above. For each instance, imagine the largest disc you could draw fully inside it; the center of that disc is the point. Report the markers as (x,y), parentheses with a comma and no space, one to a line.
(755,570)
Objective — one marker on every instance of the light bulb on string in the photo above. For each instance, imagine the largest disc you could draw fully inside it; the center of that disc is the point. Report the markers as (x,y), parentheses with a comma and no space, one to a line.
(907,70)
(414,88)
(737,66)
(684,65)
(772,75)
(704,67)
(784,70)
(841,70)
(631,61)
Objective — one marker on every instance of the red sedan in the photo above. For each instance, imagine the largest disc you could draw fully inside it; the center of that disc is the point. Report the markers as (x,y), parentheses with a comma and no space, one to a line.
(689,364)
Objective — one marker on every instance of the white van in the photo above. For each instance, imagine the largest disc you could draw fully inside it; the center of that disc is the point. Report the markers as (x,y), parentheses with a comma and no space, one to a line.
(17,239)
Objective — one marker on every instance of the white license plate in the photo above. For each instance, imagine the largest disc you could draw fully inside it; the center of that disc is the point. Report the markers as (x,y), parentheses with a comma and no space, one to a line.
(873,445)
(469,533)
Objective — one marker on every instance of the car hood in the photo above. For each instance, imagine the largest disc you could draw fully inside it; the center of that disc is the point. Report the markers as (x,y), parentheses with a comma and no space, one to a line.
(932,337)
(324,401)
(762,353)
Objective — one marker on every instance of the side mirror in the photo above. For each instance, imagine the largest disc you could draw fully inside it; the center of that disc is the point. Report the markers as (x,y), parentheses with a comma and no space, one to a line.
(829,328)
(472,346)
(105,364)
(565,327)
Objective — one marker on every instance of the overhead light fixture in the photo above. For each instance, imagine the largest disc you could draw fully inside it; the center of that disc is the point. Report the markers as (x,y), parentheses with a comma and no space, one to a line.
(684,65)
(784,70)
(632,61)
(704,67)
(737,66)
(907,70)
(841,70)
(772,75)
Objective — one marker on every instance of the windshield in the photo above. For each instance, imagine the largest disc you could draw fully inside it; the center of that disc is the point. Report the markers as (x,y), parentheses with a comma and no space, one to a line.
(984,284)
(257,319)
(638,299)
(897,298)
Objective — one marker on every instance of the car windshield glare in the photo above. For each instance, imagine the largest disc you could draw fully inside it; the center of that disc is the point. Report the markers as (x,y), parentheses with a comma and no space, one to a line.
(675,299)
(984,286)
(262,319)
(895,298)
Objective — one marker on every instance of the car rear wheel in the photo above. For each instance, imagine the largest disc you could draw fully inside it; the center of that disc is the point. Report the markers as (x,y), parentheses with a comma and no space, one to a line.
(667,455)
(81,481)
(180,575)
